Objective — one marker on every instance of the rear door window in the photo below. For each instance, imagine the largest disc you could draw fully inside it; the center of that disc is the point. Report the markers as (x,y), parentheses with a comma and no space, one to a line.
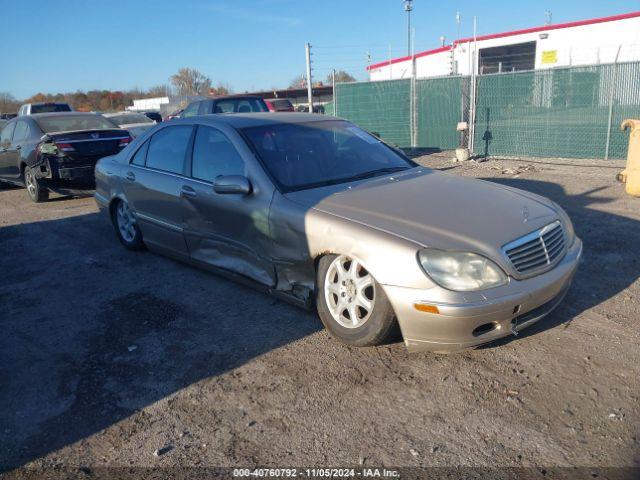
(21,132)
(205,108)
(7,133)
(168,149)
(214,155)
(140,156)
(191,110)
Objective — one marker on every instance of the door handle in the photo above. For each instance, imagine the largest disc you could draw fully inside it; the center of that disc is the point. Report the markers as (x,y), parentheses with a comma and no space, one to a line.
(187,191)
(130,176)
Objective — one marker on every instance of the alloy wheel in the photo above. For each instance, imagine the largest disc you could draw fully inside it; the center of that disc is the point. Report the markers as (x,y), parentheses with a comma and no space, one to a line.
(30,182)
(126,222)
(349,292)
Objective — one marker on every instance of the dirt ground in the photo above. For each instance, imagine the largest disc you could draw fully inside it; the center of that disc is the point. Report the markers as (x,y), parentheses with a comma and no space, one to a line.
(107,356)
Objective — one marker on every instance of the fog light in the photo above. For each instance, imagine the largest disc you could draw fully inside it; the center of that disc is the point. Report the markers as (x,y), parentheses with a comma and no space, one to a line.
(423,307)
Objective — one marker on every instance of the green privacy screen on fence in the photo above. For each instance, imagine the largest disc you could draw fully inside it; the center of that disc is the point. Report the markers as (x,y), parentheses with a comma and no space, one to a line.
(439,108)
(562,112)
(557,113)
(380,107)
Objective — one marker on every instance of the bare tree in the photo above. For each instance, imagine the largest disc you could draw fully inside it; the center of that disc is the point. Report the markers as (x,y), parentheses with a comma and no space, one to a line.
(299,82)
(341,77)
(220,90)
(159,91)
(189,81)
(8,102)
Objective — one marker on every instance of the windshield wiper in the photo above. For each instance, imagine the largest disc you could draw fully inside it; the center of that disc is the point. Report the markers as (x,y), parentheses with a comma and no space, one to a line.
(377,172)
(360,176)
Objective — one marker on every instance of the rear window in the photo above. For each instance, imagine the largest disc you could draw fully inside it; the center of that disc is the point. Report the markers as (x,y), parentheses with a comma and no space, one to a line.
(282,103)
(50,107)
(240,105)
(129,118)
(68,123)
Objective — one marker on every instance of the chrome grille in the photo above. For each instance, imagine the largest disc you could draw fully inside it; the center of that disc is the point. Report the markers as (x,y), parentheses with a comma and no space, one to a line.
(537,251)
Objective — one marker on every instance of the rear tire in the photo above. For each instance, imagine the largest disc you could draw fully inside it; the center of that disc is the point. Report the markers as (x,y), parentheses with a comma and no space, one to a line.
(35,189)
(126,226)
(351,304)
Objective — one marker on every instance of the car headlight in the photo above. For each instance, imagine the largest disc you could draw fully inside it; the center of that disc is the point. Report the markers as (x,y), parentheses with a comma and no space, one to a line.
(461,271)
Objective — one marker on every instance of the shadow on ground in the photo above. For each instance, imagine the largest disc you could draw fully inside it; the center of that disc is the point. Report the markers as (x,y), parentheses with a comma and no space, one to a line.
(609,263)
(93,334)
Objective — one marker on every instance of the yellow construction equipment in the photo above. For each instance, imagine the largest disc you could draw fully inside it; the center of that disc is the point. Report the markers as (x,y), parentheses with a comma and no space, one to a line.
(631,174)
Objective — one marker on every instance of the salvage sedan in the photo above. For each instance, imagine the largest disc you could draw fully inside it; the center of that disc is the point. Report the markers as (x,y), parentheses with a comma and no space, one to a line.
(56,151)
(321,213)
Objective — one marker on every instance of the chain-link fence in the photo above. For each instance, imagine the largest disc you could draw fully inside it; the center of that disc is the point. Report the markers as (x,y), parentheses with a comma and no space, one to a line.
(562,112)
(380,107)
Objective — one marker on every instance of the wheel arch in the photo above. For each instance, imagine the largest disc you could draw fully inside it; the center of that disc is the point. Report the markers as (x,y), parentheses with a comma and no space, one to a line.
(113,202)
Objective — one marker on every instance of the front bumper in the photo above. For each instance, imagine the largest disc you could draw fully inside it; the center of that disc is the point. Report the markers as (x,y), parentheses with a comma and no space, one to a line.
(466,324)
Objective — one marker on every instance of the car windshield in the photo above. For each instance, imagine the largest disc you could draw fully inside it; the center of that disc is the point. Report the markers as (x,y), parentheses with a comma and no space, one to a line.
(129,118)
(307,155)
(240,105)
(67,123)
(50,107)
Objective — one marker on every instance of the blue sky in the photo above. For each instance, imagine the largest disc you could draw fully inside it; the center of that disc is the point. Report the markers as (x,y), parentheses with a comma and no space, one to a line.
(67,45)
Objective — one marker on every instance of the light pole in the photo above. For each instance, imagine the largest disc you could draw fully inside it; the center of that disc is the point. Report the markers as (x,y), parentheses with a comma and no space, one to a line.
(408,6)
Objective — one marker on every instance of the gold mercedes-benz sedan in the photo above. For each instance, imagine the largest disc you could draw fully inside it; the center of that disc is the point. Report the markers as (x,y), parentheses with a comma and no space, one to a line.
(321,213)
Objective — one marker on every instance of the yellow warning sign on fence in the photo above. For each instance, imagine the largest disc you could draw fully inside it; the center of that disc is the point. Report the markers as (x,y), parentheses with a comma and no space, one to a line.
(550,56)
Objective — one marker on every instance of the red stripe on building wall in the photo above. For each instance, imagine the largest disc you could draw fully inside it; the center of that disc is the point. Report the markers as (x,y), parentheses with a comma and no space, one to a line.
(544,28)
(409,57)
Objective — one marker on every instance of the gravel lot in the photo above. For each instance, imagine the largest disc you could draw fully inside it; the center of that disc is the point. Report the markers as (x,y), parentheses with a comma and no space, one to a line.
(107,356)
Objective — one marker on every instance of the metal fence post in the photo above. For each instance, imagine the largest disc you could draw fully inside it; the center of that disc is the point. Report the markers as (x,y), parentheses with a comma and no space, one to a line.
(412,101)
(611,100)
(413,109)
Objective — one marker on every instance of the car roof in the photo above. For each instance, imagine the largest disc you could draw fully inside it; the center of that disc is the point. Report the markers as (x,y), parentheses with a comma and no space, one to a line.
(112,114)
(46,103)
(57,114)
(257,119)
(228,97)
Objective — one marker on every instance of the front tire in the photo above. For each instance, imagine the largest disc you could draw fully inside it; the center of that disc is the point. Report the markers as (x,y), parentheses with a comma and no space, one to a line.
(126,226)
(351,304)
(36,191)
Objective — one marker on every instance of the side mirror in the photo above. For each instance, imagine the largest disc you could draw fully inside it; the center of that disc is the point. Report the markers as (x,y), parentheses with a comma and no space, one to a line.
(232,184)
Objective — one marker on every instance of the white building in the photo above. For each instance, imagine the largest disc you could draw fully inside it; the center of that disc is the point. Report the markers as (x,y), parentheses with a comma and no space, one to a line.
(148,104)
(588,42)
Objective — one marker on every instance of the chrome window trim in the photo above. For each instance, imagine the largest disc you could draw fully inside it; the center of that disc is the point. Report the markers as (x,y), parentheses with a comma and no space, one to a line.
(171,174)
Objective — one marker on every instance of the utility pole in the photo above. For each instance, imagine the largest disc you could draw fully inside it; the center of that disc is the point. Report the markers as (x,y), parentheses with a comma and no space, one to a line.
(307,50)
(408,6)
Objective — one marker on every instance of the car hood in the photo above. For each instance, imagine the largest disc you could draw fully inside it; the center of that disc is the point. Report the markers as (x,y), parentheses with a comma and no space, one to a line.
(435,209)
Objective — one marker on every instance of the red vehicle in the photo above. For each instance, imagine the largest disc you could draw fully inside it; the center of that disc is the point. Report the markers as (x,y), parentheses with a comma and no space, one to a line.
(173,115)
(279,105)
